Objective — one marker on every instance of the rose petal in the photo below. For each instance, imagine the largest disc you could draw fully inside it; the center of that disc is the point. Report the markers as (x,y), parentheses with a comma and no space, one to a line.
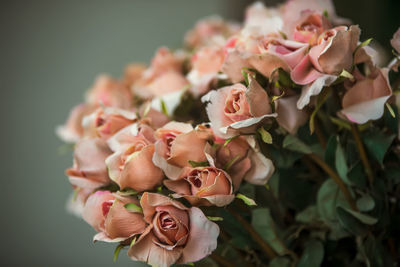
(314,89)
(289,117)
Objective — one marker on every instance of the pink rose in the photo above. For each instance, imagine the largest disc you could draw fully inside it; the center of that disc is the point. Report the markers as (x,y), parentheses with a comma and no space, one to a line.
(366,99)
(206,63)
(209,31)
(105,122)
(152,117)
(110,93)
(325,61)
(236,109)
(106,213)
(310,26)
(89,170)
(133,73)
(72,131)
(131,165)
(164,76)
(176,234)
(203,186)
(289,116)
(177,144)
(242,160)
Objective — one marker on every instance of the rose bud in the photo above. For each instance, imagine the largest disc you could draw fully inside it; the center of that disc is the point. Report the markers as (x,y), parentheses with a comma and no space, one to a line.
(243,161)
(110,93)
(325,61)
(177,144)
(106,213)
(89,170)
(310,26)
(203,186)
(236,109)
(176,234)
(131,165)
(366,99)
(105,122)
(72,131)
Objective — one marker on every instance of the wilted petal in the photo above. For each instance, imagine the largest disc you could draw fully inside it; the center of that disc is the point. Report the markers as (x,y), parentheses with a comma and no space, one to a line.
(314,89)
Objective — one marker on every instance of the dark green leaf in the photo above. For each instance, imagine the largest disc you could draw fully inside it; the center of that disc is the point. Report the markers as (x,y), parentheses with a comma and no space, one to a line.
(366,219)
(365,203)
(350,223)
(377,143)
(330,151)
(357,175)
(295,144)
(313,254)
(280,262)
(308,215)
(340,163)
(263,223)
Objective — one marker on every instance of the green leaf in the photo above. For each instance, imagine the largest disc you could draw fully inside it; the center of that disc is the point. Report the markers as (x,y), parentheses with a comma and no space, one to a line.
(127,192)
(293,143)
(350,223)
(366,219)
(280,262)
(265,136)
(347,75)
(365,43)
(245,74)
(215,219)
(227,141)
(263,223)
(308,215)
(133,241)
(284,79)
(389,107)
(365,203)
(330,151)
(320,101)
(195,164)
(325,13)
(377,144)
(248,201)
(132,207)
(340,164)
(116,251)
(164,108)
(313,254)
(190,263)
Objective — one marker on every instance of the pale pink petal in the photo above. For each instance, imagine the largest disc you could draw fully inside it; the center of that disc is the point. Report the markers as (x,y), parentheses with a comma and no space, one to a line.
(314,89)
(267,63)
(233,65)
(305,72)
(202,239)
(289,117)
(93,212)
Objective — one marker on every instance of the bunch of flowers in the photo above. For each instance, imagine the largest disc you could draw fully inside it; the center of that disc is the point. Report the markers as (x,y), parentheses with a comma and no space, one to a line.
(272,142)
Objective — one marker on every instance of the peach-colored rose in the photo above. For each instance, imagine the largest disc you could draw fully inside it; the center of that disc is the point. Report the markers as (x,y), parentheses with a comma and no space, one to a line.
(209,31)
(131,165)
(203,186)
(109,92)
(176,234)
(133,73)
(366,99)
(242,160)
(236,109)
(106,213)
(152,117)
(177,144)
(106,121)
(206,64)
(264,53)
(325,61)
(310,26)
(72,131)
(164,76)
(89,170)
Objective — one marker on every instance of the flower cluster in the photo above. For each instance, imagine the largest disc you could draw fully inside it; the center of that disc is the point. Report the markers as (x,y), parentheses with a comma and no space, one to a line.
(196,125)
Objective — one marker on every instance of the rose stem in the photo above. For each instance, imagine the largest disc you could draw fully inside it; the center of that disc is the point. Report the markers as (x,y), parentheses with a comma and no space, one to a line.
(220,260)
(320,135)
(363,154)
(253,233)
(335,178)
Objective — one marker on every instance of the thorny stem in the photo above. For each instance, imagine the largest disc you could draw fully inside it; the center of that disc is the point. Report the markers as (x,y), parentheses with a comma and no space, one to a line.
(270,253)
(335,178)
(363,154)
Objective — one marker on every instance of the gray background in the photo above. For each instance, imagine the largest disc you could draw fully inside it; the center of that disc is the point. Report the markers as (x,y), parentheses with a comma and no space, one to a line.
(50,53)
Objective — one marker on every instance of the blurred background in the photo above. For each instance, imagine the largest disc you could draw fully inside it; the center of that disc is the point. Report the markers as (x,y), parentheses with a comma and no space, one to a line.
(51,51)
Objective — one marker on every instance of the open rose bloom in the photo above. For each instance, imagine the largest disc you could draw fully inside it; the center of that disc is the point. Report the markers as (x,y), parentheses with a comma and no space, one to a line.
(223,151)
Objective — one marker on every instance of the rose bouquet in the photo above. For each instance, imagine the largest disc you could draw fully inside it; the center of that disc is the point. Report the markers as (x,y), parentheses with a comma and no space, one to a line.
(274,142)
